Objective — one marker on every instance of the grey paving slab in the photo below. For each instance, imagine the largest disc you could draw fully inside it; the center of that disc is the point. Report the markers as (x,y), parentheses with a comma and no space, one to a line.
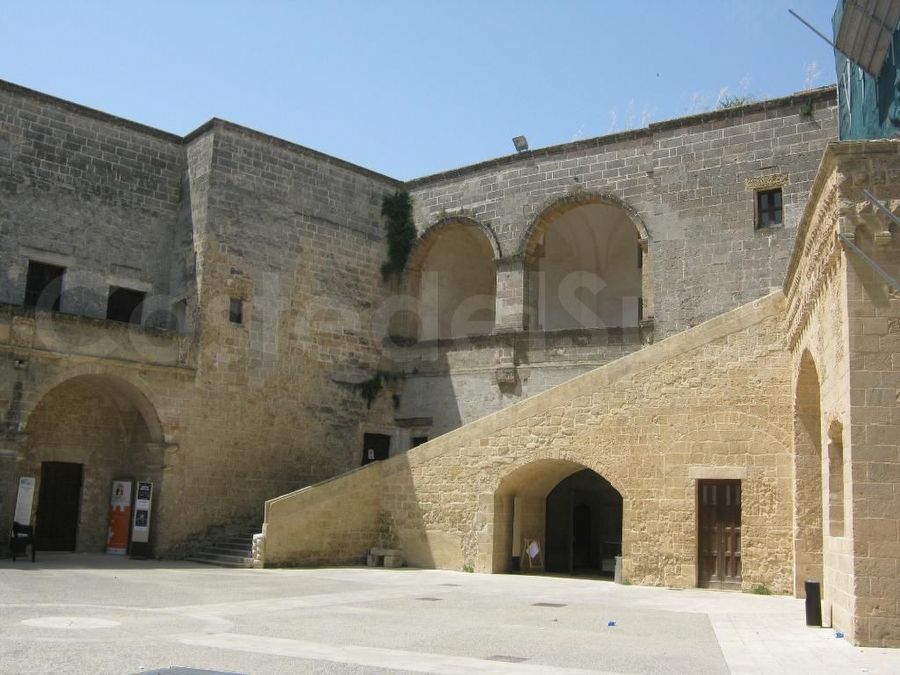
(101,614)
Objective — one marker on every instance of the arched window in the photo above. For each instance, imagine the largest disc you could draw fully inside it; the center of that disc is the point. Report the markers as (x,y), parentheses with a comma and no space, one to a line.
(453,279)
(585,258)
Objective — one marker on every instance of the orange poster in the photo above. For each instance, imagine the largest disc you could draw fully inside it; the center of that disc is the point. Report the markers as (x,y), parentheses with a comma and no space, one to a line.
(119,517)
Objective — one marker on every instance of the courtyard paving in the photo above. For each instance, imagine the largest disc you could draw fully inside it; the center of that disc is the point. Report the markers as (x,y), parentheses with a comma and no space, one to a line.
(71,613)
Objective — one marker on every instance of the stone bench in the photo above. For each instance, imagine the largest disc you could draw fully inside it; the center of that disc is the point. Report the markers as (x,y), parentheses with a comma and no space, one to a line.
(384,557)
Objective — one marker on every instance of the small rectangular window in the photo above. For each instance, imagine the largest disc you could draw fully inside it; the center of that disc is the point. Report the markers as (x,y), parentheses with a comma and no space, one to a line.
(418,440)
(236,311)
(768,208)
(43,285)
(125,305)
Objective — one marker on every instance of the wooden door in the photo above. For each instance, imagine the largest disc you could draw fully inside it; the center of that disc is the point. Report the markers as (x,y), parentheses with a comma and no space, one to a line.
(59,500)
(719,536)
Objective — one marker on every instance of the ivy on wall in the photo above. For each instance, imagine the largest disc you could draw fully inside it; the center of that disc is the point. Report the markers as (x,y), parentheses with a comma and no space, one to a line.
(369,389)
(399,230)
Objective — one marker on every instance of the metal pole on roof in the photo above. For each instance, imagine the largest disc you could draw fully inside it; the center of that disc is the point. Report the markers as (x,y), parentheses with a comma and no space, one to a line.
(891,281)
(881,207)
(821,35)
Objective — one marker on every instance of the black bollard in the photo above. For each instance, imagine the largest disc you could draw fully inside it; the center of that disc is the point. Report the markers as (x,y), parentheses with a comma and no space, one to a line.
(813,603)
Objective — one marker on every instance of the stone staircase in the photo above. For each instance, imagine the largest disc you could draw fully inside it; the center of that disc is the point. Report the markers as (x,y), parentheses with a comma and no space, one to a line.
(228,550)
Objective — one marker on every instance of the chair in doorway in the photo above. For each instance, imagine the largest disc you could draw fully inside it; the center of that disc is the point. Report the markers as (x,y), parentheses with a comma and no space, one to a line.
(21,537)
(532,555)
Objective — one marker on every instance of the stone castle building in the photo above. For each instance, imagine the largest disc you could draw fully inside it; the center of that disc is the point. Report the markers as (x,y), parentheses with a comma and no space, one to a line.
(661,345)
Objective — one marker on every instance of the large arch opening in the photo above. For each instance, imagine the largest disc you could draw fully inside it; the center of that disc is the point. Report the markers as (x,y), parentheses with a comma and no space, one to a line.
(453,278)
(571,514)
(808,533)
(587,265)
(81,435)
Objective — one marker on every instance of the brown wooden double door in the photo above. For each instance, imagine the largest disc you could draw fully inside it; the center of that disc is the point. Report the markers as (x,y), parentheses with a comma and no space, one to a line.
(719,536)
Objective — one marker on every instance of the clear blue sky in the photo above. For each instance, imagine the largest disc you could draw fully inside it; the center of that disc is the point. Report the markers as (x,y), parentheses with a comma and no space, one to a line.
(410,88)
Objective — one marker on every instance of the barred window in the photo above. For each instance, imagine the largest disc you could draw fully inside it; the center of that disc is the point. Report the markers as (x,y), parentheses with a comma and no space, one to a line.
(768,208)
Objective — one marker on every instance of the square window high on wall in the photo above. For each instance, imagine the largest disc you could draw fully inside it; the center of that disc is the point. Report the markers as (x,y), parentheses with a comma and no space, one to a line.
(769,211)
(125,305)
(43,285)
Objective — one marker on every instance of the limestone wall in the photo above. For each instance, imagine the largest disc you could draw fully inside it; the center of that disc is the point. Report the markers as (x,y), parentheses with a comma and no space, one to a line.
(691,181)
(342,519)
(247,410)
(295,238)
(115,401)
(449,383)
(89,192)
(686,188)
(843,327)
(708,403)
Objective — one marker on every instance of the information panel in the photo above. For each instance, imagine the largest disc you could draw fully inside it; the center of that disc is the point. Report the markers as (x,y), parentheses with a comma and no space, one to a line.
(140,531)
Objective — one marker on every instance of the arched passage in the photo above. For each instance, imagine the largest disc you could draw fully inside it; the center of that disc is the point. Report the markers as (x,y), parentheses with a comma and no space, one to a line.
(81,435)
(807,475)
(587,264)
(571,512)
(453,278)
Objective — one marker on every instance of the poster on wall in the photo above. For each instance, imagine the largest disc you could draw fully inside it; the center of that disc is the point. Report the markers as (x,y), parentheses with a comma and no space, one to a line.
(140,531)
(119,517)
(24,500)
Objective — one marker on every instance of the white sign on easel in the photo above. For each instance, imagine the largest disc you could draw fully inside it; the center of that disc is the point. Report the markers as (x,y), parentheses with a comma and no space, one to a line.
(24,500)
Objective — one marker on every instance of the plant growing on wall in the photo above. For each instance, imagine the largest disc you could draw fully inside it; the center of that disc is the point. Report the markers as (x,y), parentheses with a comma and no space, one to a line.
(399,230)
(735,101)
(371,388)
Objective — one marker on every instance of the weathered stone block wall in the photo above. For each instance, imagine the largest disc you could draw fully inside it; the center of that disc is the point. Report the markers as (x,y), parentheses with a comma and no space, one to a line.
(114,400)
(343,520)
(454,382)
(844,317)
(707,403)
(95,194)
(264,406)
(296,237)
(690,182)
(873,331)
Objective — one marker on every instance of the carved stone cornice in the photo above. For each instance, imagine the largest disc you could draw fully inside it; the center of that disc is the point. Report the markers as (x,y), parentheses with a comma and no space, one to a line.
(836,206)
(769,182)
(816,258)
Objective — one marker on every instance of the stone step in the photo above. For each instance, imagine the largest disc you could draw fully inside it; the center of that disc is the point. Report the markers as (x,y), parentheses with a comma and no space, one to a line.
(232,550)
(229,549)
(221,560)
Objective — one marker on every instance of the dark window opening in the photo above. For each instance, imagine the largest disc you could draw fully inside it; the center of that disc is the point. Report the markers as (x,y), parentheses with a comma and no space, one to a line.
(376,447)
(640,309)
(43,285)
(640,257)
(418,440)
(236,311)
(124,305)
(768,208)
